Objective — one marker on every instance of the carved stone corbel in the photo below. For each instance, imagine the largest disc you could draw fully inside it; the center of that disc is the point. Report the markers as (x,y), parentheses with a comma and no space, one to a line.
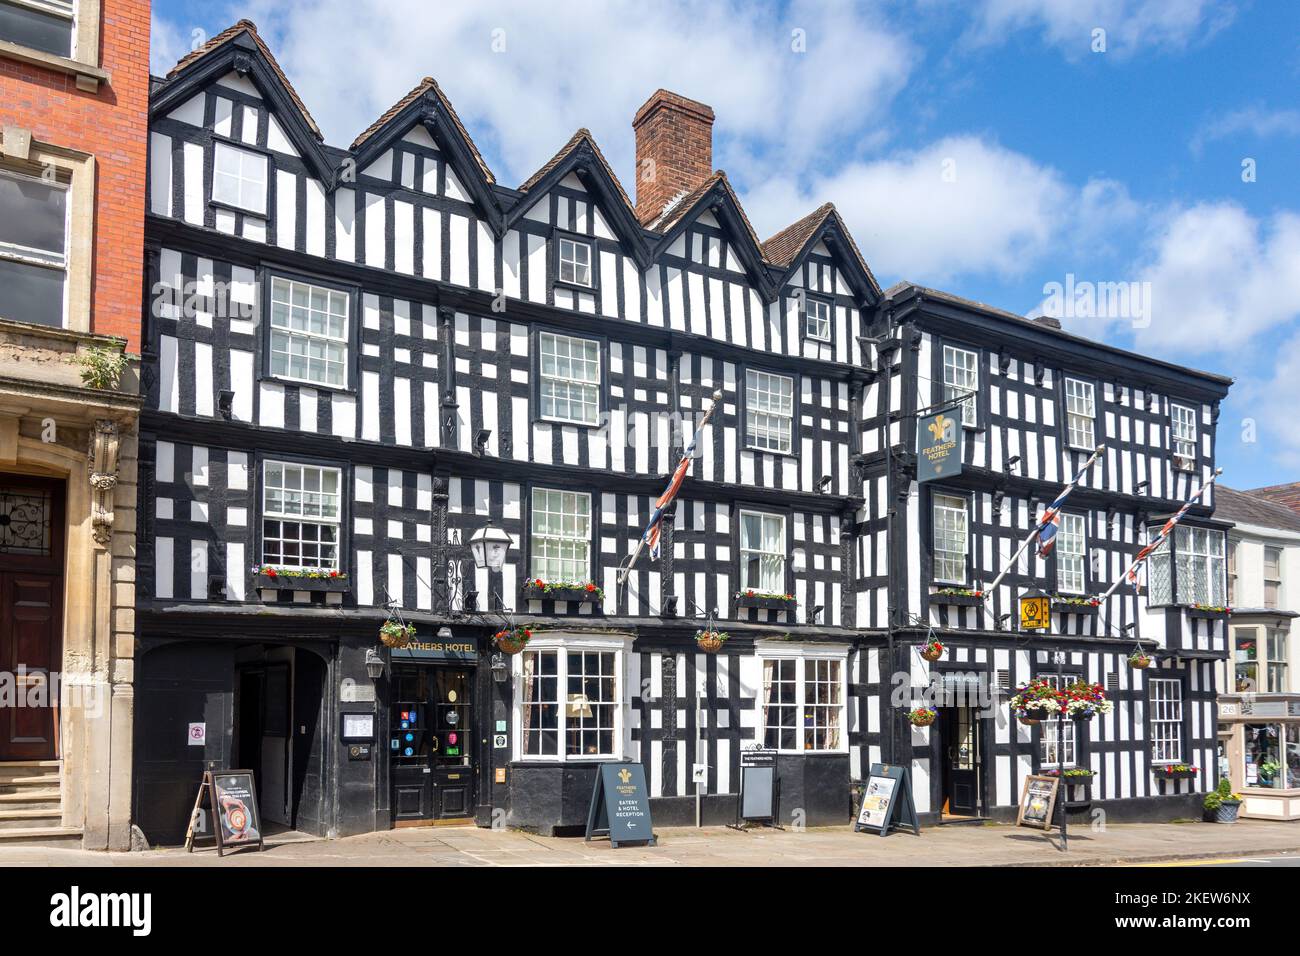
(105,444)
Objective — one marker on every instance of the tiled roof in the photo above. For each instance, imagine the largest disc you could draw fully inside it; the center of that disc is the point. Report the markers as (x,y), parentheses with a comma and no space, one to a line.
(1248,507)
(678,209)
(426,84)
(574,141)
(781,249)
(1288,494)
(251,28)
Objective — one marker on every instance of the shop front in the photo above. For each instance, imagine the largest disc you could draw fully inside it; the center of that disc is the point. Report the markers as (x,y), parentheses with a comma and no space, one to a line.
(1259,751)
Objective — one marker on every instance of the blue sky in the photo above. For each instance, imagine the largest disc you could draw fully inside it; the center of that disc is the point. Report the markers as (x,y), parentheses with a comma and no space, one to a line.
(986,147)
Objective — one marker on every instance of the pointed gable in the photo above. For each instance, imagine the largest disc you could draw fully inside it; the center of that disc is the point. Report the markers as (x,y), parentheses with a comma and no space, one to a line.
(788,248)
(236,57)
(716,195)
(581,157)
(427,109)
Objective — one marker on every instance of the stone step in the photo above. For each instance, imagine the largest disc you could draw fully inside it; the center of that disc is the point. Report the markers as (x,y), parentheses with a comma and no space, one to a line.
(37,779)
(32,798)
(52,836)
(26,818)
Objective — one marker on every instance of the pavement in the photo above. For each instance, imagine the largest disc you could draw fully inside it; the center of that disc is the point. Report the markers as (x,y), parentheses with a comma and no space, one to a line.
(952,845)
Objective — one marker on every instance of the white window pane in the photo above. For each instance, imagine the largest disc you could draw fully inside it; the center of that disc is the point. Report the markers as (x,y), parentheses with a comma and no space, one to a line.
(33,216)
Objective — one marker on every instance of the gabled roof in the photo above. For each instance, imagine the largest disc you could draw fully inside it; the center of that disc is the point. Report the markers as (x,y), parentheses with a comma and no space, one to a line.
(786,249)
(239,48)
(581,155)
(716,193)
(1288,494)
(427,105)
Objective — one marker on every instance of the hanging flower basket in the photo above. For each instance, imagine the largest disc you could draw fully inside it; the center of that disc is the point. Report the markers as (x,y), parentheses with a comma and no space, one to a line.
(1084,701)
(1139,661)
(710,642)
(396,634)
(922,716)
(1035,701)
(932,650)
(512,640)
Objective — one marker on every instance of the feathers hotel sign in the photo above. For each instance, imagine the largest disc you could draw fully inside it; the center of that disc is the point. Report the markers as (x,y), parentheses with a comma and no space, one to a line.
(939,438)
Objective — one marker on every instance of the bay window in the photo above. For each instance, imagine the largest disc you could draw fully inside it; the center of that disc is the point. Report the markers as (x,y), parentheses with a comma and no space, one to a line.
(1189,567)
(569,379)
(804,702)
(1071,552)
(560,541)
(1166,702)
(950,539)
(309,333)
(569,706)
(769,411)
(762,552)
(300,515)
(1260,660)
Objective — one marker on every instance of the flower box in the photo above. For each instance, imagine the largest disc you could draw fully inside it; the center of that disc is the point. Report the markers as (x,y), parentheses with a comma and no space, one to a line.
(1170,773)
(1073,607)
(579,593)
(770,602)
(1209,614)
(959,600)
(281,581)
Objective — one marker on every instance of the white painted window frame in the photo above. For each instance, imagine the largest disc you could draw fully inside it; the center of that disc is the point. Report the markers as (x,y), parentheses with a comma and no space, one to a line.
(1080,414)
(570,246)
(220,176)
(343,340)
(586,386)
(1166,720)
(758,549)
(801,653)
(1072,560)
(769,427)
(336,522)
(536,537)
(961,378)
(561,643)
(941,502)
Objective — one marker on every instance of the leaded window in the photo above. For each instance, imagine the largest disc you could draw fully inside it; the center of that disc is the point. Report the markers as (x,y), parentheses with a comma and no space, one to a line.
(1189,566)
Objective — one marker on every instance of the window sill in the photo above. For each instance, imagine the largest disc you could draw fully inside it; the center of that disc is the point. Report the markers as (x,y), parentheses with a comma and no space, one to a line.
(88,77)
(771,451)
(231,207)
(304,383)
(575,286)
(565,423)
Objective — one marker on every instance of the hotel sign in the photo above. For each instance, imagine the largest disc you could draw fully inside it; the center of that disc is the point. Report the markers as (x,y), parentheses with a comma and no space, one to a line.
(939,444)
(462,649)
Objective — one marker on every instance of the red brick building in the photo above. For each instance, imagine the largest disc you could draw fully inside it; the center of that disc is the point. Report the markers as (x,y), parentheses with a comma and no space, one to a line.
(74,87)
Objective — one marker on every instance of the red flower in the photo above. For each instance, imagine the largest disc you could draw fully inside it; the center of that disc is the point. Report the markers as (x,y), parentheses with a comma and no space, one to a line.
(334,574)
(538,583)
(270,572)
(749,593)
(590,586)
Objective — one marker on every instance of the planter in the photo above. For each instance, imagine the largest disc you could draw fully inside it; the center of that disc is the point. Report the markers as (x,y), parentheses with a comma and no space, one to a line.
(1082,716)
(396,636)
(922,719)
(766,603)
(1077,780)
(508,645)
(1029,721)
(1176,774)
(580,595)
(710,642)
(1140,664)
(1207,615)
(512,641)
(959,600)
(932,654)
(289,582)
(1227,812)
(1068,607)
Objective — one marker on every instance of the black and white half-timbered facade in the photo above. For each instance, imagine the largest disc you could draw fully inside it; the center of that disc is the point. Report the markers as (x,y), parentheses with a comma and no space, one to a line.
(360,361)
(1033,403)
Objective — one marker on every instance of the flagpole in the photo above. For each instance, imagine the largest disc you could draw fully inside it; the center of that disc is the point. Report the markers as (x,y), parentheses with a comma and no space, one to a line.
(1037,525)
(640,543)
(1159,539)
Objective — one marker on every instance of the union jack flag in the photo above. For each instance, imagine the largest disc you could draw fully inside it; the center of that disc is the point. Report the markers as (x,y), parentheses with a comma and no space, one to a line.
(651,535)
(1165,530)
(1050,522)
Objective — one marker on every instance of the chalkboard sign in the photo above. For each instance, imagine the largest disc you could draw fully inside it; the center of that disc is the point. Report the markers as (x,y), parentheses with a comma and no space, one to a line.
(887,801)
(620,805)
(760,787)
(232,800)
(1037,801)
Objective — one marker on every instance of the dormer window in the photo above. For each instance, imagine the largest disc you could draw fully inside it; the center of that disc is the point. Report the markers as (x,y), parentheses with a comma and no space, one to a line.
(817,319)
(575,262)
(239,178)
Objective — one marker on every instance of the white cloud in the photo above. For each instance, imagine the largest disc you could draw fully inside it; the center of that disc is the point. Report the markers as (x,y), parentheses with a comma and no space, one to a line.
(168,42)
(1219,277)
(562,66)
(1129,24)
(1269,400)
(1252,121)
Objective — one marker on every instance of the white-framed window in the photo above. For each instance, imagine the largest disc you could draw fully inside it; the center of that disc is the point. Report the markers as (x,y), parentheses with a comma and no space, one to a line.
(569,705)
(44,25)
(1193,567)
(300,515)
(1071,554)
(961,380)
(1272,577)
(769,411)
(569,378)
(1058,742)
(239,178)
(1080,414)
(309,333)
(560,541)
(575,261)
(762,552)
(1166,695)
(33,249)
(1183,426)
(803,700)
(950,539)
(1233,545)
(817,319)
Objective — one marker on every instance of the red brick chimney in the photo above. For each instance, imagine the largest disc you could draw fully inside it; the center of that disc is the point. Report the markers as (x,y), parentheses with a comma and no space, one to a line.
(674,150)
